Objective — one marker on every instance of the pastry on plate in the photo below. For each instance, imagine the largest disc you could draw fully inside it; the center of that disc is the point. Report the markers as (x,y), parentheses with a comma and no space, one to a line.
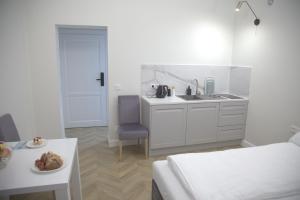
(49,161)
(37,141)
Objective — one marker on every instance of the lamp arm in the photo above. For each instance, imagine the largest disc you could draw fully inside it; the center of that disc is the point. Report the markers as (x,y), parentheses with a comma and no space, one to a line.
(250,8)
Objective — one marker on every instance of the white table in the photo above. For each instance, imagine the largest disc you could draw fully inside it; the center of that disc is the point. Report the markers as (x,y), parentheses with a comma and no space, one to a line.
(18,178)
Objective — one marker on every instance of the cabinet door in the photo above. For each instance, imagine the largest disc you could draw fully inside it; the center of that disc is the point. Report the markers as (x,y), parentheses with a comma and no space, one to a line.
(168,126)
(202,123)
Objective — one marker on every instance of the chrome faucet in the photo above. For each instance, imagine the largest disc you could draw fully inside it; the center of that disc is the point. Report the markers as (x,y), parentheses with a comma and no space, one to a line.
(198,93)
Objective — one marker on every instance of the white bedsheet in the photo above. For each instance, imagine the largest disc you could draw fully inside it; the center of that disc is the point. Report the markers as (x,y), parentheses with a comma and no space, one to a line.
(266,172)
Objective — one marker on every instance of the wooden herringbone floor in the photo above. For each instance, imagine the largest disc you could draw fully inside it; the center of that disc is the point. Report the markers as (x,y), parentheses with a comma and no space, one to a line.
(103,177)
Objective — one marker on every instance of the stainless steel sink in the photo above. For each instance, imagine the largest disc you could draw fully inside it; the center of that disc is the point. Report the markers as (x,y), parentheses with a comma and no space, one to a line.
(208,97)
(189,97)
(230,96)
(201,97)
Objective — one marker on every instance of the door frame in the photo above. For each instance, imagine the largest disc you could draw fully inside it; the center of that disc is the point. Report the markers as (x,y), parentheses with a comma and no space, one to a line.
(60,68)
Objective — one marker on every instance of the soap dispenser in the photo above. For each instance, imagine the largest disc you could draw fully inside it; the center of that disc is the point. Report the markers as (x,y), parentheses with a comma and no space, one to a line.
(188,91)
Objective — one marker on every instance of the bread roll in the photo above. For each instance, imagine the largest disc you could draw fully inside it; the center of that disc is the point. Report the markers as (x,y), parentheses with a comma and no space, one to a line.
(49,161)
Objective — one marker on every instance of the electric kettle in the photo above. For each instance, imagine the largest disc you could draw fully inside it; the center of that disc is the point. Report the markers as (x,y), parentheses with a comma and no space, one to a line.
(162,91)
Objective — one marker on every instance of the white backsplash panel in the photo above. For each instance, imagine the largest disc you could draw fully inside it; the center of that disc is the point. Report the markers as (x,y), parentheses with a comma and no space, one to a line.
(228,79)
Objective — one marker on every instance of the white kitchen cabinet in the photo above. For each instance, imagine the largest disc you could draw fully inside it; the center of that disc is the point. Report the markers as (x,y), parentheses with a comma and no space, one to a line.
(202,121)
(233,113)
(176,125)
(232,120)
(235,132)
(167,126)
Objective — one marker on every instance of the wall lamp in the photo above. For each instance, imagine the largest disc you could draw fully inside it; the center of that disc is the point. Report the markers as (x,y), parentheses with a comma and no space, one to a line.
(238,7)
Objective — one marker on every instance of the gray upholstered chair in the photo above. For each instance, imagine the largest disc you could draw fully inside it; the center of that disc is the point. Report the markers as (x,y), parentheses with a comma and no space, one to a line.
(130,127)
(8,130)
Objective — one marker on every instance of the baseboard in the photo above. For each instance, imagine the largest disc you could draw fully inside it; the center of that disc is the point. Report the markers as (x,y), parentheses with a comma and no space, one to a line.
(114,143)
(246,143)
(193,148)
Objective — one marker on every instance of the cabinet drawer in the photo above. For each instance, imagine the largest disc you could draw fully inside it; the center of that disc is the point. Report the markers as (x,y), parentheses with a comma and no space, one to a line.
(233,106)
(233,113)
(231,133)
(226,119)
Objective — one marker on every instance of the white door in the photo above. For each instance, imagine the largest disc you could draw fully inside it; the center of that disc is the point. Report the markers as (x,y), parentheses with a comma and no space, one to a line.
(83,60)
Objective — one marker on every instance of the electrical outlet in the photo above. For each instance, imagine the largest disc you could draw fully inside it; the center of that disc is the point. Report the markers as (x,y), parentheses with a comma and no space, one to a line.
(294,129)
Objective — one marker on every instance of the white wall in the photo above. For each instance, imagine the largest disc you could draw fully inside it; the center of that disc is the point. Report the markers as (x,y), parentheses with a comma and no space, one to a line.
(15,74)
(152,32)
(139,32)
(273,51)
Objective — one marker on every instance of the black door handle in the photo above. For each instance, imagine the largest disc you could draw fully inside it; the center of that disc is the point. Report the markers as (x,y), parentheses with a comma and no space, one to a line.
(101,79)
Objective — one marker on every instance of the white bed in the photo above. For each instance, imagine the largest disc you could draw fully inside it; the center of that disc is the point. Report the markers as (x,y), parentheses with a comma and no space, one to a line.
(174,187)
(169,186)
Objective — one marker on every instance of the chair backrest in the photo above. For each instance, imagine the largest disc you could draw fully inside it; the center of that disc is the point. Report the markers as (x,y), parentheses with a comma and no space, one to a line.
(129,109)
(8,130)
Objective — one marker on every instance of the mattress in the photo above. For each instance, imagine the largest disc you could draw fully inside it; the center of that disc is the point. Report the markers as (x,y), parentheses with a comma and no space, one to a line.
(265,172)
(168,185)
(171,188)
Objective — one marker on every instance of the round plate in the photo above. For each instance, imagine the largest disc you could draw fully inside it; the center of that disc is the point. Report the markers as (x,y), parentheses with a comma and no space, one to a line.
(30,144)
(37,170)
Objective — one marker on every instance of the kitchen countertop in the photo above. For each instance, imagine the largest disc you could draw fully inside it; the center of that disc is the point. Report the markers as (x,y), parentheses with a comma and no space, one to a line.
(178,100)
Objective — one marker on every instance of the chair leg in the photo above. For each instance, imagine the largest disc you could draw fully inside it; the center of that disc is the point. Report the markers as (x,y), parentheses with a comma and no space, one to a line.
(120,150)
(146,148)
